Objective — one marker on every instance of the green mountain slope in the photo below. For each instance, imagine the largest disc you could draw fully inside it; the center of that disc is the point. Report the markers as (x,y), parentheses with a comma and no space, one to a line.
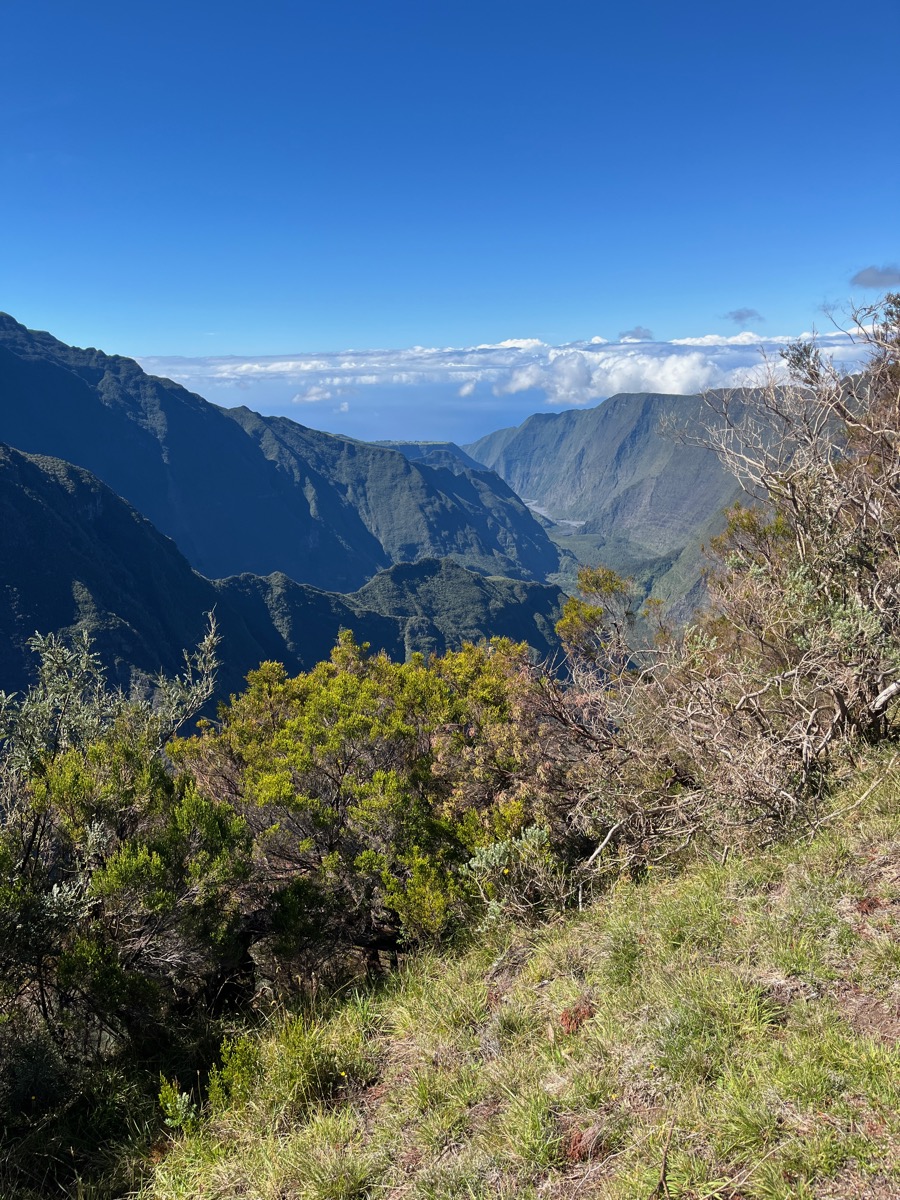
(460,605)
(413,510)
(242,493)
(74,555)
(432,452)
(641,501)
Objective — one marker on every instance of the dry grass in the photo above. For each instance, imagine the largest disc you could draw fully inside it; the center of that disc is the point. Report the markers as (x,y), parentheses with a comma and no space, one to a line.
(727,1032)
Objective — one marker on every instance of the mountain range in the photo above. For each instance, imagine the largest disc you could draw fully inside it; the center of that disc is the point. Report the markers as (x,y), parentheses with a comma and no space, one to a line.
(240,492)
(621,486)
(131,506)
(73,555)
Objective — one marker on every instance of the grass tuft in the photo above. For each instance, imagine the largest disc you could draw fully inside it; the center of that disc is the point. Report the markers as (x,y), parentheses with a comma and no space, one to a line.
(726,1032)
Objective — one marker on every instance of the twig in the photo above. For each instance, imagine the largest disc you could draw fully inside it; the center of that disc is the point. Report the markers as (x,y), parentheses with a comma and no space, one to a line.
(615,829)
(586,1176)
(662,1186)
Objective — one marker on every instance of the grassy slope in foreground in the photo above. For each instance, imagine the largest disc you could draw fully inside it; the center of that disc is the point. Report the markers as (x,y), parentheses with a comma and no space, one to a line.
(730,1031)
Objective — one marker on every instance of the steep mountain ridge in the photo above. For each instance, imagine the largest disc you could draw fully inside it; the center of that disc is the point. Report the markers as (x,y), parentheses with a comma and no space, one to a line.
(444,452)
(239,492)
(75,555)
(635,498)
(413,509)
(581,463)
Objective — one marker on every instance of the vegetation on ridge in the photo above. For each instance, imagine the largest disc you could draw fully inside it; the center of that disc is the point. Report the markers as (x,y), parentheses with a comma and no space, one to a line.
(694,1031)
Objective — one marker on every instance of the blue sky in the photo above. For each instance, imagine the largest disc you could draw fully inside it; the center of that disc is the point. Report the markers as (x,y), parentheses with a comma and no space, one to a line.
(232,181)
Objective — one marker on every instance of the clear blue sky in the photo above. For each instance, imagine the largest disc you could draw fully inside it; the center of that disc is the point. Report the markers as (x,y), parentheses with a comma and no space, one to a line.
(270,178)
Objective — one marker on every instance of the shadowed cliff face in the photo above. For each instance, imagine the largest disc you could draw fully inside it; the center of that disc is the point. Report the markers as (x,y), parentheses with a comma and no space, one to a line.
(644,502)
(239,492)
(611,466)
(74,555)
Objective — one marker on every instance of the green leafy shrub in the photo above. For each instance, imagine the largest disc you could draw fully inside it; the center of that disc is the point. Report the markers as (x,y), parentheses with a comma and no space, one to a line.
(520,878)
(367,785)
(118,899)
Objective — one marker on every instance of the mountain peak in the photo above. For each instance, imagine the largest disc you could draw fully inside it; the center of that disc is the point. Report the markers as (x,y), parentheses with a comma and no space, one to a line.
(11,325)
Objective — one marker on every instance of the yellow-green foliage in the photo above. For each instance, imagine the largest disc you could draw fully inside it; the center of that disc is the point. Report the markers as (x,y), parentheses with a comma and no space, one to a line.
(369,783)
(729,1031)
(600,613)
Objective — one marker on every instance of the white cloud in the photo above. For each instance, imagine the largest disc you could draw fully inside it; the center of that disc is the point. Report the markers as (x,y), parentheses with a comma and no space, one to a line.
(580,377)
(313,395)
(267,367)
(573,374)
(513,344)
(715,339)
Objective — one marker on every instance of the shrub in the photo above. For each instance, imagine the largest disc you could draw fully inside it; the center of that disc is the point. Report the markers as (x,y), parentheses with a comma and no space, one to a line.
(117,894)
(368,785)
(733,728)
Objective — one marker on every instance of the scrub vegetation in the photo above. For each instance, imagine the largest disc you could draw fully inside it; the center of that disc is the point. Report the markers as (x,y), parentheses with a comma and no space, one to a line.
(464,926)
(725,1031)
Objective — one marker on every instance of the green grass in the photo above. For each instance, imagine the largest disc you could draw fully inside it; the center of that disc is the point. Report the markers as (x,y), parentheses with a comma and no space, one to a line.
(724,1032)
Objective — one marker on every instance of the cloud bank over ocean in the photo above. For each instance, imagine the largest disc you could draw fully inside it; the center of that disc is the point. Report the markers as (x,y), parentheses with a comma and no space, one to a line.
(463,392)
